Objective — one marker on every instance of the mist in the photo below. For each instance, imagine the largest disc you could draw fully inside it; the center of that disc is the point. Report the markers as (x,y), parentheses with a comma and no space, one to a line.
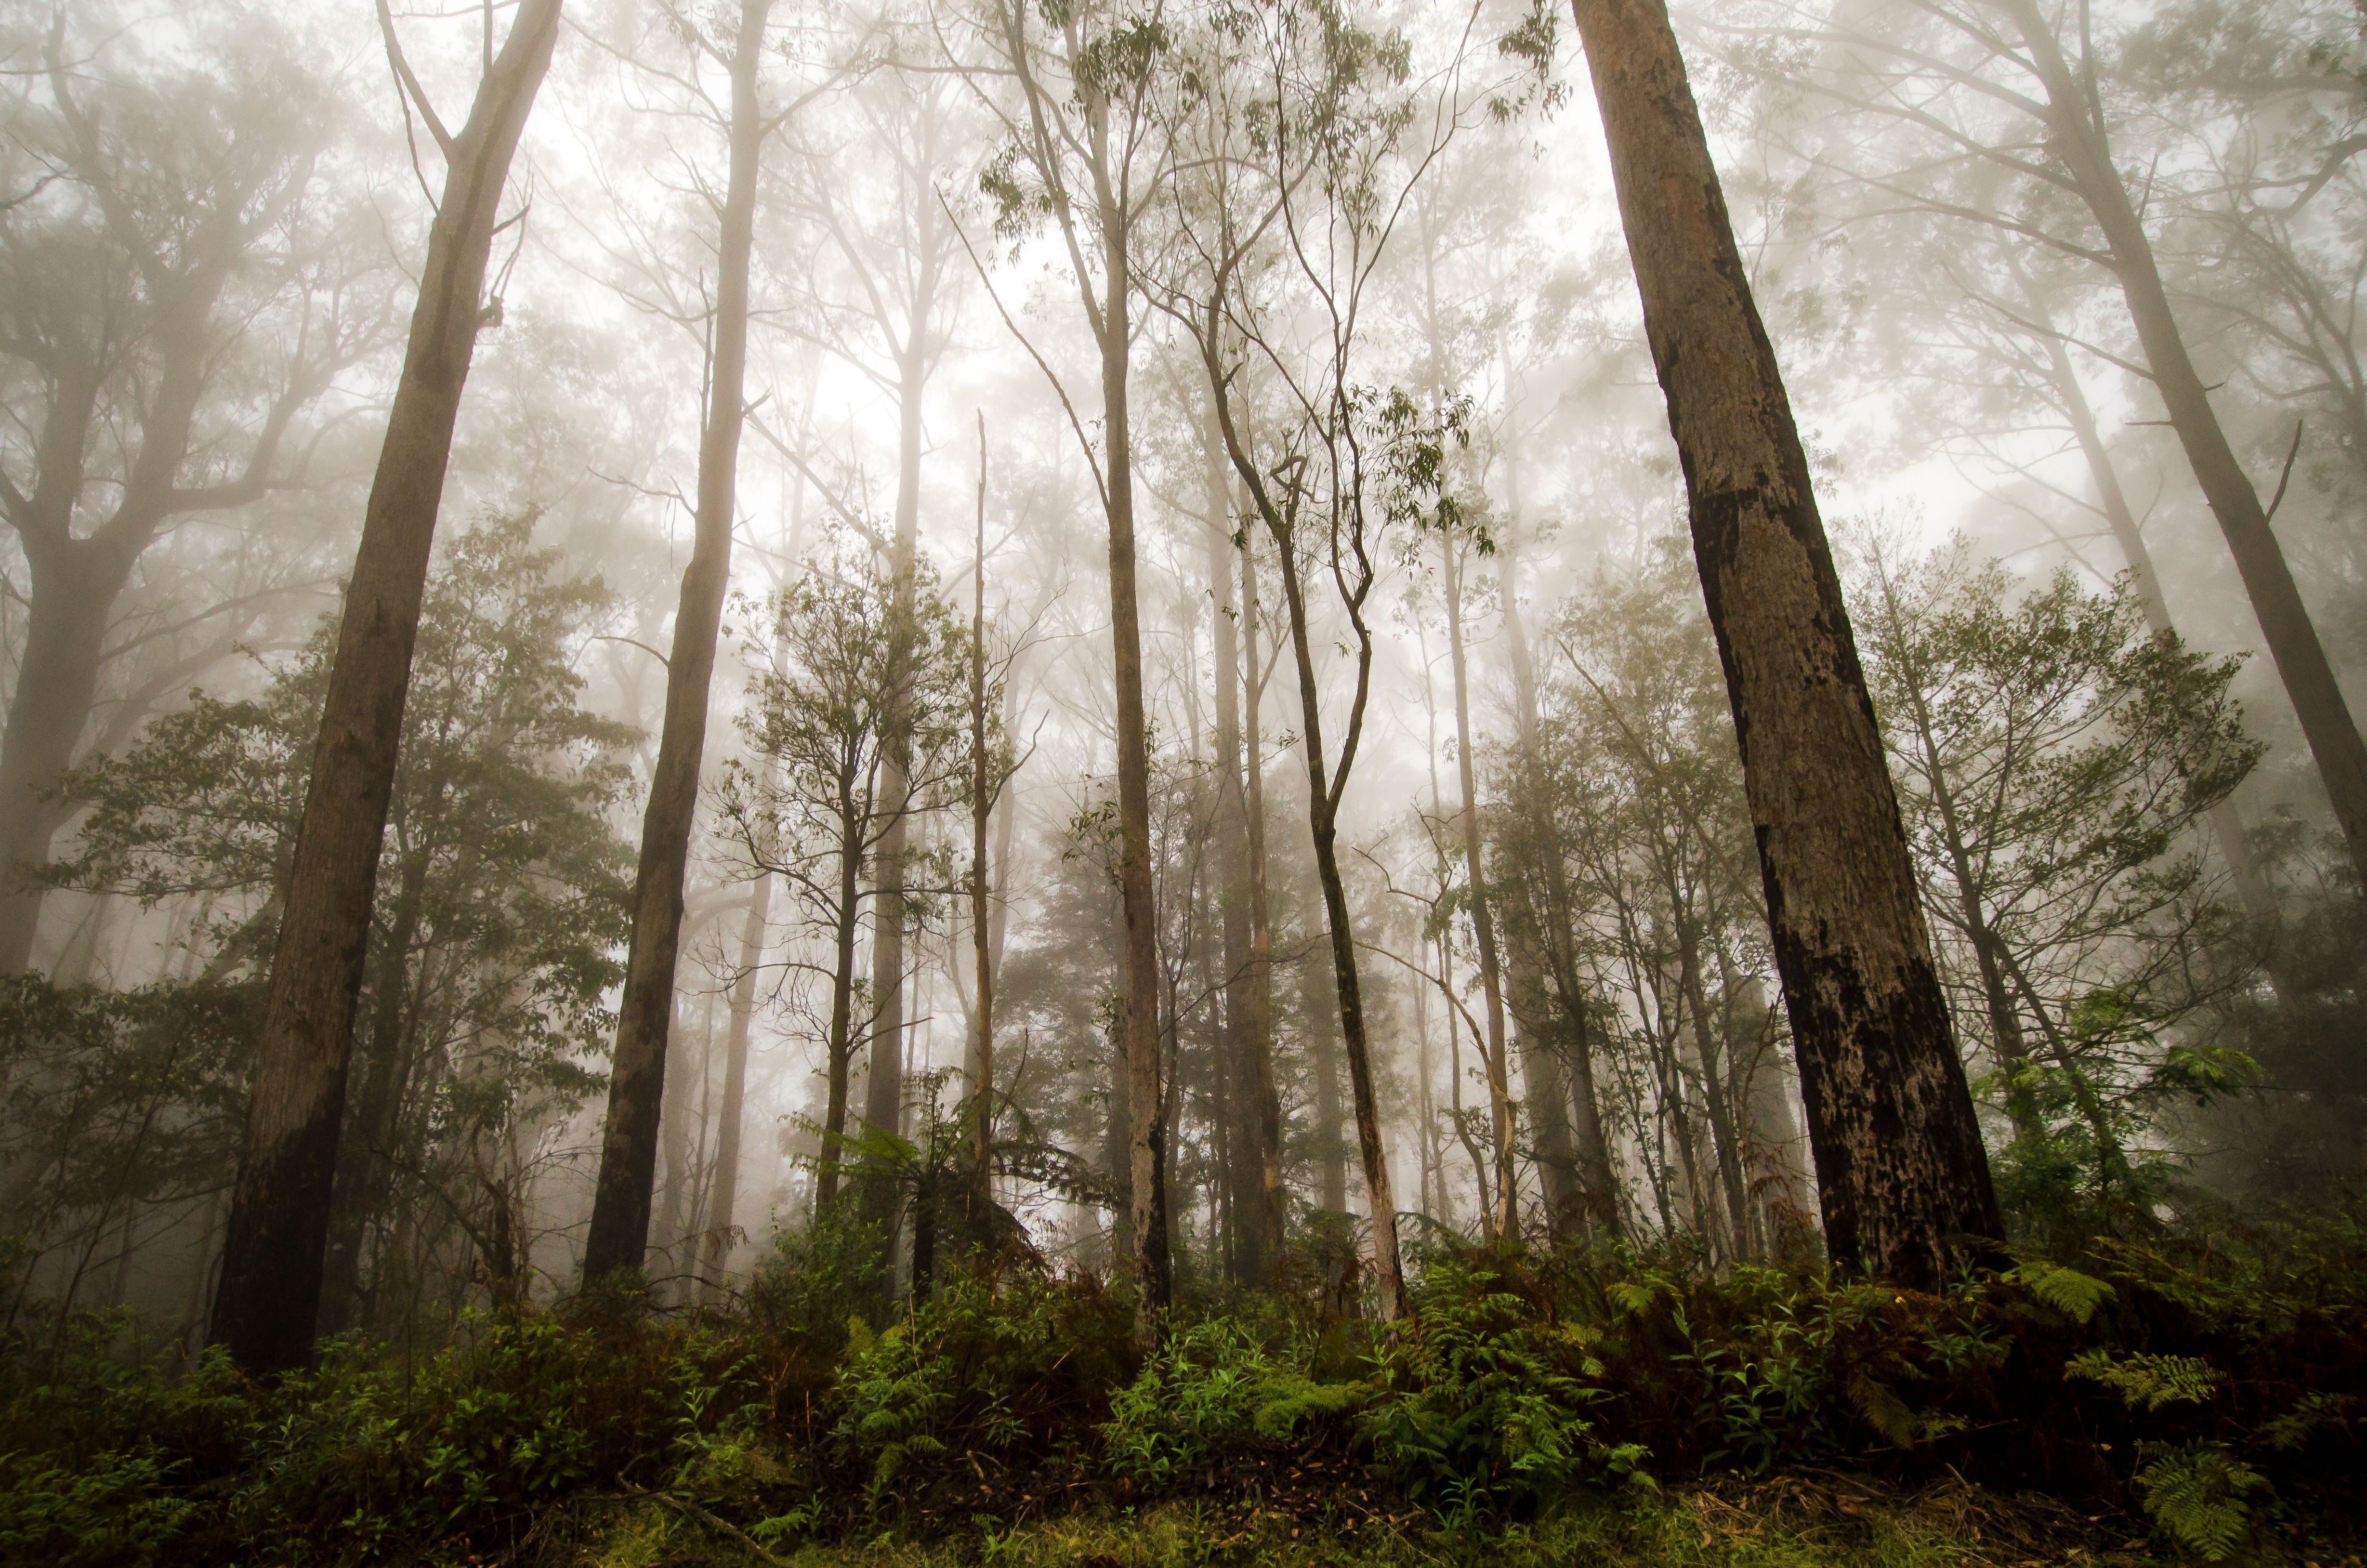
(1259,680)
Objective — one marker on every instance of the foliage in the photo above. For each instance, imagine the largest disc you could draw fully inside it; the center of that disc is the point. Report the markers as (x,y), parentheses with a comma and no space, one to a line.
(1529,1392)
(1483,1402)
(2196,1494)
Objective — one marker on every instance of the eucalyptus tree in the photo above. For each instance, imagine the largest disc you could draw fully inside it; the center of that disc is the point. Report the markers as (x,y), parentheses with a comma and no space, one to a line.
(268,1302)
(1076,92)
(1333,134)
(180,286)
(1902,1171)
(619,1230)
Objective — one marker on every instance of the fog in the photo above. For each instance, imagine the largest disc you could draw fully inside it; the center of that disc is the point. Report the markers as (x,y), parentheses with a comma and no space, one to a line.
(1167,520)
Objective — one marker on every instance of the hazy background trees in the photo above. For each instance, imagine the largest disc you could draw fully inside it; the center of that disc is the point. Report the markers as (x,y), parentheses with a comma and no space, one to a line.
(1375,824)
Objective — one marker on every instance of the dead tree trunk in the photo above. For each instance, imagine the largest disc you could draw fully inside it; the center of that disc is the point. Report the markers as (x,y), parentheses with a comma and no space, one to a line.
(1898,1150)
(619,1230)
(269,1295)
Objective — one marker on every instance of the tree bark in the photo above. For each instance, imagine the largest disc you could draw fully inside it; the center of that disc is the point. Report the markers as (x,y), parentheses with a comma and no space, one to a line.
(269,1295)
(1146,1106)
(851,818)
(1899,1160)
(2080,140)
(619,1232)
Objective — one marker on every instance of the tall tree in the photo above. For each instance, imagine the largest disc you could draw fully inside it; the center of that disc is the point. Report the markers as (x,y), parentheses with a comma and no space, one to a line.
(1475,871)
(1898,1150)
(1084,131)
(270,1294)
(619,1230)
(1253,1176)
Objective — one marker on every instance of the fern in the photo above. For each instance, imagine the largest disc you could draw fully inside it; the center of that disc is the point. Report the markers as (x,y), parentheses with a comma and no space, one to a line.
(2148,1383)
(2196,1494)
(2065,1290)
(2315,1413)
(1890,1415)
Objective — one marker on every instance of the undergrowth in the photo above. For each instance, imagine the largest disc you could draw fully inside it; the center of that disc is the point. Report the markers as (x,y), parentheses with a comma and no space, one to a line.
(2190,1401)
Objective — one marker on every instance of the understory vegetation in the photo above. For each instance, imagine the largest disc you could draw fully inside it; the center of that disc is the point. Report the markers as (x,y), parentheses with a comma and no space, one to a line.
(2194,1397)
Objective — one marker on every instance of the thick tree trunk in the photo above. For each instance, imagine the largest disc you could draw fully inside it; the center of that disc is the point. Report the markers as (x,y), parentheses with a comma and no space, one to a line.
(2080,140)
(1898,1153)
(1569,1135)
(1483,913)
(715,1255)
(269,1295)
(619,1232)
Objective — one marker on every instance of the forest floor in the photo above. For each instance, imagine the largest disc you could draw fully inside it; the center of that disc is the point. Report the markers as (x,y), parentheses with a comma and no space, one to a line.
(2179,1402)
(1827,1520)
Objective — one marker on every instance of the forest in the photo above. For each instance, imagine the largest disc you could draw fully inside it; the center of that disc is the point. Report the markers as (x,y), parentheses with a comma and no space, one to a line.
(1127,783)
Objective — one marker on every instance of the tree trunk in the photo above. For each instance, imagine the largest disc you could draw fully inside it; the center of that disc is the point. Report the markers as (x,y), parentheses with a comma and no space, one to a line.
(1148,1143)
(1545,1042)
(842,1002)
(362,1173)
(1483,915)
(1898,1153)
(619,1232)
(1264,1093)
(1323,820)
(269,1295)
(883,1093)
(74,585)
(1247,1072)
(2080,140)
(982,808)
(715,1259)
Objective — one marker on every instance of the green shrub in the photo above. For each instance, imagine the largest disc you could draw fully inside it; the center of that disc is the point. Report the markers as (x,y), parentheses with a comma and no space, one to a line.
(1480,1409)
(115,1510)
